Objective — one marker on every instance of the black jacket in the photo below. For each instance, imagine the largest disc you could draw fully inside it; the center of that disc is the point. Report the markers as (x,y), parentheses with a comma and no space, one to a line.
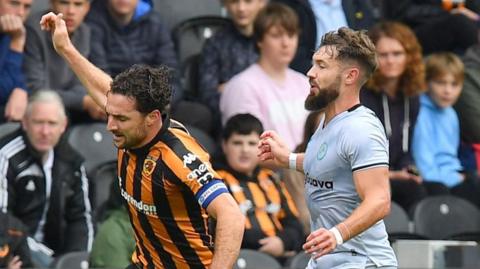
(68,224)
(360,14)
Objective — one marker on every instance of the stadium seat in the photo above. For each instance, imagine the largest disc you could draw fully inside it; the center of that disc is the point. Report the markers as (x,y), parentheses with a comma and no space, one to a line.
(204,139)
(190,35)
(175,11)
(101,179)
(94,142)
(397,221)
(398,224)
(252,259)
(189,74)
(299,261)
(72,260)
(8,127)
(445,216)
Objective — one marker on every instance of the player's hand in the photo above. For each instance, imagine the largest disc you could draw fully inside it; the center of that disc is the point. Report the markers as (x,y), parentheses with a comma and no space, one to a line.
(272,148)
(319,243)
(56,25)
(14,263)
(16,105)
(95,111)
(272,245)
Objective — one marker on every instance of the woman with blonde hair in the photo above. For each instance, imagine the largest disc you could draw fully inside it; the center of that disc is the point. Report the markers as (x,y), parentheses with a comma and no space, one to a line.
(393,94)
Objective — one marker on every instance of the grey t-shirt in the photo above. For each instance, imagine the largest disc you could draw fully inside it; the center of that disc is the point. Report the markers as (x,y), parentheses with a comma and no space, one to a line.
(351,141)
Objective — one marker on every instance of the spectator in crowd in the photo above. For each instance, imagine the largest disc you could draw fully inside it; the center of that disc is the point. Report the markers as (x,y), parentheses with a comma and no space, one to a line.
(272,224)
(447,25)
(13,91)
(127,32)
(268,89)
(467,105)
(228,52)
(437,133)
(45,182)
(321,16)
(392,93)
(115,242)
(14,252)
(294,180)
(45,69)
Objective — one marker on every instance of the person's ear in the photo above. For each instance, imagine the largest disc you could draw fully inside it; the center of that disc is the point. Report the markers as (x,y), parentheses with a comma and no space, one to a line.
(352,75)
(152,117)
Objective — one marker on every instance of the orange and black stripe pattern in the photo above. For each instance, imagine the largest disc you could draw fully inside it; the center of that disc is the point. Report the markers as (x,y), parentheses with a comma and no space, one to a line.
(167,185)
(262,198)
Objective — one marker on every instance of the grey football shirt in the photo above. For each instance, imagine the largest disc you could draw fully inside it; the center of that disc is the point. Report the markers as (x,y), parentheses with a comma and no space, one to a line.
(353,140)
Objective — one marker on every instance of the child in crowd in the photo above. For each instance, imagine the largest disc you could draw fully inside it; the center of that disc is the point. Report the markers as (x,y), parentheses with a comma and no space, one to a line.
(272,224)
(437,133)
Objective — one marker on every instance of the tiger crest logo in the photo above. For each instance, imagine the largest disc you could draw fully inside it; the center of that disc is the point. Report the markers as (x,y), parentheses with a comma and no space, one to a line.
(149,165)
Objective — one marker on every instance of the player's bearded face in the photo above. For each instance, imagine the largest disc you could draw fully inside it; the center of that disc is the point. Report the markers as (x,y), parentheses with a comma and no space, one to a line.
(322,96)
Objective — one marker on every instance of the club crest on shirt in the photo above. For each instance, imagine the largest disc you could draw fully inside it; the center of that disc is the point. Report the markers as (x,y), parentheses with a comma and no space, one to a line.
(149,165)
(322,151)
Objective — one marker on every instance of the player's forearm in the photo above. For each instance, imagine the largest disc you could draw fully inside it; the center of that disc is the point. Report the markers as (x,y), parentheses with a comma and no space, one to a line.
(228,238)
(93,79)
(370,211)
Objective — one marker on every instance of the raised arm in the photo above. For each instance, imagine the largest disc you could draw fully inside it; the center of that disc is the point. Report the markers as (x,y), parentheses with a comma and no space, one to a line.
(95,80)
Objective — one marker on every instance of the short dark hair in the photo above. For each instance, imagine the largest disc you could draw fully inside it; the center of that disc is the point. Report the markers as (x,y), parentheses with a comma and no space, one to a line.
(275,14)
(353,45)
(243,124)
(148,86)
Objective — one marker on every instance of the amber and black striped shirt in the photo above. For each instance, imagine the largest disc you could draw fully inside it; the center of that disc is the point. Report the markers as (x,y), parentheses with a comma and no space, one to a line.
(167,185)
(266,203)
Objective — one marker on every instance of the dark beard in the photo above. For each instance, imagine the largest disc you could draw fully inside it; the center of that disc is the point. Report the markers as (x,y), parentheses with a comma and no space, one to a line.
(324,97)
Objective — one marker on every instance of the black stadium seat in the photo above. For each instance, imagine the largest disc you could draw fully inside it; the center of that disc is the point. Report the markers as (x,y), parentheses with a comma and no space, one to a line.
(252,259)
(446,216)
(190,35)
(94,142)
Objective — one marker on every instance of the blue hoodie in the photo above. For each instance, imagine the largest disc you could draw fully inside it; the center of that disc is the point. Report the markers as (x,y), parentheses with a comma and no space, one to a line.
(11,75)
(435,143)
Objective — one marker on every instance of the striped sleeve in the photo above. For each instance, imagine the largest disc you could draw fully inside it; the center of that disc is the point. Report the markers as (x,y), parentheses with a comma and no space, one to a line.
(191,164)
(6,152)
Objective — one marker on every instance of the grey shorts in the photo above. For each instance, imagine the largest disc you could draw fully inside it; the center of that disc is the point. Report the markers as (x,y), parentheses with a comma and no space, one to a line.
(344,260)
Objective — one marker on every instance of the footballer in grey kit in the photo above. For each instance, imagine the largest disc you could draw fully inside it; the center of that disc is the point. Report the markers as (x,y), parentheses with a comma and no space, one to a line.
(346,161)
(352,140)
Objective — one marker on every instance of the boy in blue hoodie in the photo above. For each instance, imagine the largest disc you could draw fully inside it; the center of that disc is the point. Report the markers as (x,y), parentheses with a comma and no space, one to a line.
(437,133)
